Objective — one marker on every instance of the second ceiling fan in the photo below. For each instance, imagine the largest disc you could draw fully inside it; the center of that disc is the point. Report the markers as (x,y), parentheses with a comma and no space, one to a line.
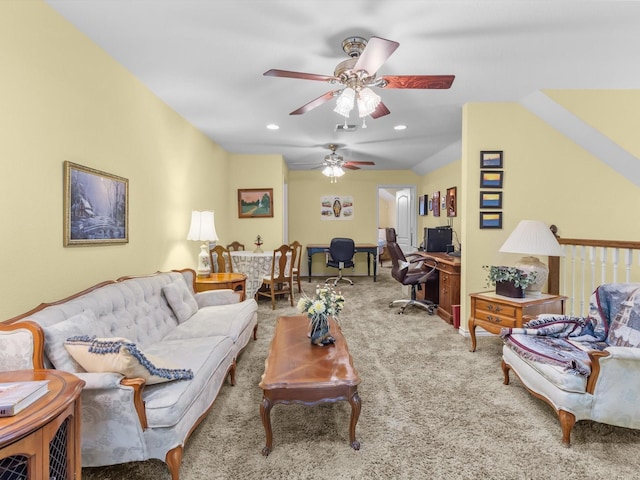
(357,75)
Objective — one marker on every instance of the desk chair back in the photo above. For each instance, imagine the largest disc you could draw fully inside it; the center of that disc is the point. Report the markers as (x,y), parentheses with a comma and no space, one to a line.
(340,256)
(220,259)
(415,273)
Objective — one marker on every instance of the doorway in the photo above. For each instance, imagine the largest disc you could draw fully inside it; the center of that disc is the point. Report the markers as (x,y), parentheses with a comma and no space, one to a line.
(396,208)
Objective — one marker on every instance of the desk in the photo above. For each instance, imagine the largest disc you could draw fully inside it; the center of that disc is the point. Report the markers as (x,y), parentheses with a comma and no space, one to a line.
(219,281)
(448,284)
(369,248)
(254,266)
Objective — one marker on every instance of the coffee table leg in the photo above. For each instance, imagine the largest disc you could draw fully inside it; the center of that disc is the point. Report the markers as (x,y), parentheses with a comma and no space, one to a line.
(265,414)
(356,404)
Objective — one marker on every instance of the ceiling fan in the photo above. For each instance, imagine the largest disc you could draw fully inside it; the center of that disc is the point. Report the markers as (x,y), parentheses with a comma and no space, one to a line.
(333,164)
(357,75)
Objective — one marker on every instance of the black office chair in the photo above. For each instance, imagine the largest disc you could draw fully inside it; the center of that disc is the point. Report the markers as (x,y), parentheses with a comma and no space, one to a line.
(408,273)
(340,255)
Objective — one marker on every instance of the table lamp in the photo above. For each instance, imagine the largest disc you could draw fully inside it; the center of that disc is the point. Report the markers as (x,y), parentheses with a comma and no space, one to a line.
(532,237)
(203,229)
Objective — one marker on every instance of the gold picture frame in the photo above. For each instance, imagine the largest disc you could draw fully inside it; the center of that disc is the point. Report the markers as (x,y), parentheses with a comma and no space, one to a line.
(255,202)
(96,207)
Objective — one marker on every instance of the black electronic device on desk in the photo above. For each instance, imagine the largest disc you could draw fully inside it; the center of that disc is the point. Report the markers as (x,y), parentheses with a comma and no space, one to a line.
(437,239)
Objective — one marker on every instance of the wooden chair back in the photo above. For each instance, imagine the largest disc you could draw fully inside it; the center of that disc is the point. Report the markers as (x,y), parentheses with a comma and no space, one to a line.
(280,278)
(296,257)
(235,246)
(220,259)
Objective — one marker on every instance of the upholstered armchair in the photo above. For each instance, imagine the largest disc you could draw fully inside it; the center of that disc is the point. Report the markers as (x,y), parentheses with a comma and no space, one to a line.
(20,347)
(586,368)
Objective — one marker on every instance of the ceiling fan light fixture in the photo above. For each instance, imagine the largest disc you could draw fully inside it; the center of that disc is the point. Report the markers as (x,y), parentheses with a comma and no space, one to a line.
(368,101)
(344,103)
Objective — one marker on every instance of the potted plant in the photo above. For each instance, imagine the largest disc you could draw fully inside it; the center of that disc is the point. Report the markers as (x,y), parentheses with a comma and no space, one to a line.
(509,281)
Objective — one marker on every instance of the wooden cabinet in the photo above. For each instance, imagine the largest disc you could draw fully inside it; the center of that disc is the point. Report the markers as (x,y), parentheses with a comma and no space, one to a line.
(43,440)
(448,284)
(493,312)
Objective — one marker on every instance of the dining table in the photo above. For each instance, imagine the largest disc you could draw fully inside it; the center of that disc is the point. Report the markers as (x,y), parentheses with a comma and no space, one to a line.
(255,265)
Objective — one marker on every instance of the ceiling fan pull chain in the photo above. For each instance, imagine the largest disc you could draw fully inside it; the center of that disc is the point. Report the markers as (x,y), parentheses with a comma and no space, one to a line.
(364,122)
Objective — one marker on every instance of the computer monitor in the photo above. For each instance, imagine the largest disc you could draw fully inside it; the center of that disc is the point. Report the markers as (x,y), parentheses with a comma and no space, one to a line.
(436,239)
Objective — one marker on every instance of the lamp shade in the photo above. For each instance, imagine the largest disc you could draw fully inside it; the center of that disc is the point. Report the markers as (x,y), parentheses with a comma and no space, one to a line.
(202,227)
(345,101)
(532,237)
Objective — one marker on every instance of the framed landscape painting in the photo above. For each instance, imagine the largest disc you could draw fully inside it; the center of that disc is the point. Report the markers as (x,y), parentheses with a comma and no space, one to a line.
(255,202)
(491,159)
(96,207)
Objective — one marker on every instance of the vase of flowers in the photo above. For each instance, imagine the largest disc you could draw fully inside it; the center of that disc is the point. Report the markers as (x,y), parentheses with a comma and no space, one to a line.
(326,303)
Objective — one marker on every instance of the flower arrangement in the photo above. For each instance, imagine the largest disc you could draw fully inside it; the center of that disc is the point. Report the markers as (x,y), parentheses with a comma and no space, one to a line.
(514,275)
(326,302)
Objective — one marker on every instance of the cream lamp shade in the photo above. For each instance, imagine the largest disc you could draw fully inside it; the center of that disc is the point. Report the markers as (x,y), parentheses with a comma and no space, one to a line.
(203,229)
(531,238)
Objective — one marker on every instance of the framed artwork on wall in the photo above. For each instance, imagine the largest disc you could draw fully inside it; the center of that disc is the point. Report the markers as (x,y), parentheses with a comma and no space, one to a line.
(96,207)
(491,178)
(491,159)
(435,202)
(423,203)
(490,199)
(452,203)
(255,202)
(490,219)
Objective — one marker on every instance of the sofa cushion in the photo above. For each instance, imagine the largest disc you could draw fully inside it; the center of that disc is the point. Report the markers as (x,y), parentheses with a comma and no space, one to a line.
(227,320)
(180,299)
(85,323)
(210,359)
(122,356)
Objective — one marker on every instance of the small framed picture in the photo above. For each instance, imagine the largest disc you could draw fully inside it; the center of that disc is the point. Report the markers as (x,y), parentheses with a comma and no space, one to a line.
(255,202)
(491,159)
(451,206)
(490,219)
(491,178)
(435,202)
(423,205)
(490,199)
(430,207)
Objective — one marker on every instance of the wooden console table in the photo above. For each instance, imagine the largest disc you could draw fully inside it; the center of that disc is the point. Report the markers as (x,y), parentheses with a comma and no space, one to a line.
(493,312)
(369,248)
(220,281)
(43,440)
(298,372)
(448,283)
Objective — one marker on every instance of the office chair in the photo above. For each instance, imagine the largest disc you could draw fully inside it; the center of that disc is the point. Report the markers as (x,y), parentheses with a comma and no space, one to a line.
(340,255)
(407,273)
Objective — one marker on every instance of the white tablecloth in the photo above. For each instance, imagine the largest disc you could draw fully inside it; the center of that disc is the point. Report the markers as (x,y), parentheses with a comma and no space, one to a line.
(254,266)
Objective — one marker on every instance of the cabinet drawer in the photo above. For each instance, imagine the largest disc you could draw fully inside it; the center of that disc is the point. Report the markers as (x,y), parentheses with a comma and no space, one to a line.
(495,308)
(502,320)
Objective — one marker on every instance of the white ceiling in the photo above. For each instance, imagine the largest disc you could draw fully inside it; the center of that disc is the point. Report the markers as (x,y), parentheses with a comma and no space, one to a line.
(205,58)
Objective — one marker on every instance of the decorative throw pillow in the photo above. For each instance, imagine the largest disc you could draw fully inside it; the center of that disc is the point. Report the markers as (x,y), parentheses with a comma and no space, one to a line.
(180,300)
(84,323)
(120,355)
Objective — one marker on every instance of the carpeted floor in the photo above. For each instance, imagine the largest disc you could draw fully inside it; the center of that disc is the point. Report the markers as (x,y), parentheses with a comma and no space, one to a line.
(430,410)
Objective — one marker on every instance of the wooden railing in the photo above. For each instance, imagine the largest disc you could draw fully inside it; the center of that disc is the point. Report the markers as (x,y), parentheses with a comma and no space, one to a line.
(589,263)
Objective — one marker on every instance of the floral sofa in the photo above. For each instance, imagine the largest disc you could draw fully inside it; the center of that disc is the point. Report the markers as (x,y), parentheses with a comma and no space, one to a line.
(584,367)
(152,352)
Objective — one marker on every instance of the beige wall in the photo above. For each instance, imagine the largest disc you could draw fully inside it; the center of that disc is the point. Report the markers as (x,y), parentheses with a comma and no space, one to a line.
(547,177)
(305,223)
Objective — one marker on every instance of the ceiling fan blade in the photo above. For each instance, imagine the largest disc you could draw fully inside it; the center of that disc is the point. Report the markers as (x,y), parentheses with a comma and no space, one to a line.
(303,76)
(350,167)
(313,104)
(380,111)
(377,51)
(418,81)
(348,164)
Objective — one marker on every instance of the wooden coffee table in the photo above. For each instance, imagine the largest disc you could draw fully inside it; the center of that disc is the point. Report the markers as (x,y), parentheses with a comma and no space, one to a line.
(298,372)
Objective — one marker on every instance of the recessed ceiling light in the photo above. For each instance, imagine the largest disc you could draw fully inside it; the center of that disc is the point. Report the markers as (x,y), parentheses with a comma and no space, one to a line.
(273,126)
(400,127)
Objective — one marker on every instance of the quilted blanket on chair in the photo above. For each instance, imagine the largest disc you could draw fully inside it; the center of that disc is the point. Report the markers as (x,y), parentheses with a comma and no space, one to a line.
(614,314)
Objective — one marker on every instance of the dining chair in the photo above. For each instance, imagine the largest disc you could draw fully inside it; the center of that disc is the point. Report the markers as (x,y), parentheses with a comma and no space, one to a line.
(220,259)
(296,257)
(235,246)
(280,278)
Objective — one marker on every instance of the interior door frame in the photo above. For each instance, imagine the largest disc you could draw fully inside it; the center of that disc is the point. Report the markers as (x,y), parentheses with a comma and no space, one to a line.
(412,205)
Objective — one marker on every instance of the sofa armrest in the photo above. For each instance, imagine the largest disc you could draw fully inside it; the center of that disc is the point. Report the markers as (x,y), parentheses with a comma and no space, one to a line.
(210,298)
